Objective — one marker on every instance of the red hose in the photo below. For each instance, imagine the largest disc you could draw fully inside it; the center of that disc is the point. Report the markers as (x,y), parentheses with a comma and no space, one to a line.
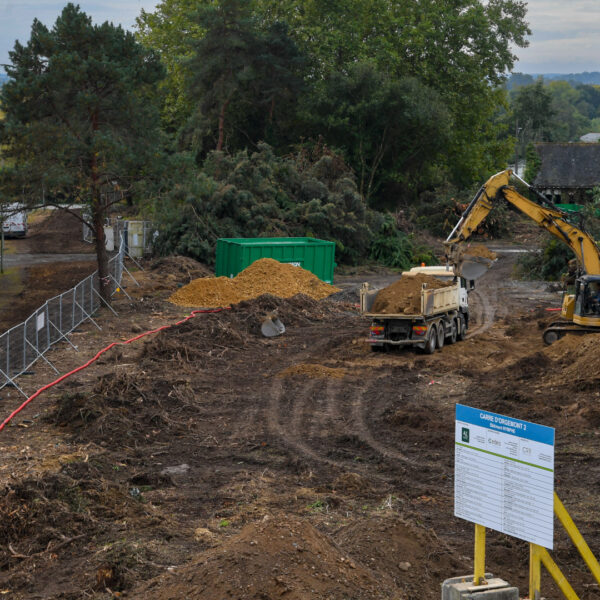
(95,358)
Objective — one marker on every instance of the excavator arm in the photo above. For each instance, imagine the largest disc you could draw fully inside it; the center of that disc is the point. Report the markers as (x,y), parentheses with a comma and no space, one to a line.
(549,217)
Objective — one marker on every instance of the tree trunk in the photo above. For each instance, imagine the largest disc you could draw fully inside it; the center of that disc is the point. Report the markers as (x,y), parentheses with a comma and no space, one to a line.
(98,214)
(101,254)
(222,126)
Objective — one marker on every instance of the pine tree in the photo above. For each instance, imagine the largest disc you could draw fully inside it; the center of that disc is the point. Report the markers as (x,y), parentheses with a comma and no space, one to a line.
(80,117)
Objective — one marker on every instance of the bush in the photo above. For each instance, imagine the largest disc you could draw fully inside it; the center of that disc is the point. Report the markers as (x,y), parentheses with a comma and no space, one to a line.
(394,248)
(261,195)
(548,264)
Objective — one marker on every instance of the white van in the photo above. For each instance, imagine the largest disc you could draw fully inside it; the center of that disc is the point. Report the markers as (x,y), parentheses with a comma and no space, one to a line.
(14,220)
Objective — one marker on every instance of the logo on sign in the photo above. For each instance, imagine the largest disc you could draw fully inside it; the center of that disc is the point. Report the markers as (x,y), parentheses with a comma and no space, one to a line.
(465,435)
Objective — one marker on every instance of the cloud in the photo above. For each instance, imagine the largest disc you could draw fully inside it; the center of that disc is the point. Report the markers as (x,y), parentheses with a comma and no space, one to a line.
(16,17)
(564,37)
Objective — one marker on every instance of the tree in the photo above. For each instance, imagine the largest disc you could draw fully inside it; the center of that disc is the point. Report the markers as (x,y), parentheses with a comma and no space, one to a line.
(80,116)
(239,69)
(462,49)
(532,114)
(390,130)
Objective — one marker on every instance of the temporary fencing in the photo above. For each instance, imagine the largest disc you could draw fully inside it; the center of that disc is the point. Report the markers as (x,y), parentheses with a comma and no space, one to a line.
(24,344)
(92,360)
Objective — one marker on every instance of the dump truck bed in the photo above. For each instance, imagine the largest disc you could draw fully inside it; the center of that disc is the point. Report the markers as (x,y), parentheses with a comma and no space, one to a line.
(433,302)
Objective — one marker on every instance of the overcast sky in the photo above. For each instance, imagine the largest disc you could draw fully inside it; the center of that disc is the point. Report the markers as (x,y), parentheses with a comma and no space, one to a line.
(566,33)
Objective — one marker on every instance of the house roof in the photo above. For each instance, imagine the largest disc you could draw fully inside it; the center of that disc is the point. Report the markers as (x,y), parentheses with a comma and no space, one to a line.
(573,165)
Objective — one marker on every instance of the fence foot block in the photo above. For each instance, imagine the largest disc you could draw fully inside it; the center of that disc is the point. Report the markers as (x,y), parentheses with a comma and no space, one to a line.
(462,588)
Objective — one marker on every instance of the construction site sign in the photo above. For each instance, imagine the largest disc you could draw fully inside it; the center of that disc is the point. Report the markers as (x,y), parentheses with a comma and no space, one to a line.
(504,474)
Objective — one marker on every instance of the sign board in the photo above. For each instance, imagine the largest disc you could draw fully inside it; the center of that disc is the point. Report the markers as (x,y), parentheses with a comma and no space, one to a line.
(504,474)
(40,321)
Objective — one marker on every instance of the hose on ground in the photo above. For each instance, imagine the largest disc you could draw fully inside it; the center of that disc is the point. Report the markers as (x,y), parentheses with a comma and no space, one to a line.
(193,314)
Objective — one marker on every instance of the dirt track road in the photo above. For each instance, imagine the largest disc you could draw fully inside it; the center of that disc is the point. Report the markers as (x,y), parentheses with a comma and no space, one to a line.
(211,463)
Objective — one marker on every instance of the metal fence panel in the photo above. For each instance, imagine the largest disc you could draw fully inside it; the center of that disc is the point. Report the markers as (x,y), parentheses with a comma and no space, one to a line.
(22,345)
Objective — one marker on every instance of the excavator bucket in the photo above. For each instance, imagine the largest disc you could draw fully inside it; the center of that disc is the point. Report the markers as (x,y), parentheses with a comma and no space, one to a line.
(272,326)
(473,267)
(470,262)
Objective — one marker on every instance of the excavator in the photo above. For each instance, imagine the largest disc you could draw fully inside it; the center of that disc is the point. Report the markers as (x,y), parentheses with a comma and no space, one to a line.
(580,313)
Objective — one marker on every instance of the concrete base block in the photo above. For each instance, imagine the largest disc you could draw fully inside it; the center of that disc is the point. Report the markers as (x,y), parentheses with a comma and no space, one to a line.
(462,588)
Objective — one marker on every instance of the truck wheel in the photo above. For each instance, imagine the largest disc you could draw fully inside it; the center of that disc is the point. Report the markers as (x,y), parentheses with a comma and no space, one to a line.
(431,342)
(441,336)
(461,330)
(453,332)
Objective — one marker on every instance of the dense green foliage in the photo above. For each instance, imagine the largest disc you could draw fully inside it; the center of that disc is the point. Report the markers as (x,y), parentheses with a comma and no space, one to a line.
(400,88)
(261,195)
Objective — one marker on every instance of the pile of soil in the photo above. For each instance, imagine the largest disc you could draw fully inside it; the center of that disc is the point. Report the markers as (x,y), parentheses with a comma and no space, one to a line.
(280,557)
(59,232)
(180,265)
(165,275)
(264,276)
(404,295)
(479,250)
(579,361)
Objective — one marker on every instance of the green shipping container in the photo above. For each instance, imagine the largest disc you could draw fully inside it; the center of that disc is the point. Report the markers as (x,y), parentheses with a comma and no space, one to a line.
(316,256)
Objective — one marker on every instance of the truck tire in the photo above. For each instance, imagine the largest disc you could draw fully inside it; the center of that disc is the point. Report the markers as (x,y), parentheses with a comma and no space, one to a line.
(431,341)
(441,335)
(461,330)
(451,339)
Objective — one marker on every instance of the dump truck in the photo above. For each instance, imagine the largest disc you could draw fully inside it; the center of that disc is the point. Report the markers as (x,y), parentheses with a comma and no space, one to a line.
(443,316)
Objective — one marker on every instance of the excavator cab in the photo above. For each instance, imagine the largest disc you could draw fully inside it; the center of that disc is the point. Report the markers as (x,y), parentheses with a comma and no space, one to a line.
(587,301)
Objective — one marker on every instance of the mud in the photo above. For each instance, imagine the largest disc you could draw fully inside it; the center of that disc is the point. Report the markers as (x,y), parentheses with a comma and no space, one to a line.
(404,295)
(209,462)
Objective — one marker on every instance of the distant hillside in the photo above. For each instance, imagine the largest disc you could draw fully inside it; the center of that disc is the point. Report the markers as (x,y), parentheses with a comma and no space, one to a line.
(518,79)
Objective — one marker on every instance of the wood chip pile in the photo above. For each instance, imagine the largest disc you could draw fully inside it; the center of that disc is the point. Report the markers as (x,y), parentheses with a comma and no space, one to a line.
(264,276)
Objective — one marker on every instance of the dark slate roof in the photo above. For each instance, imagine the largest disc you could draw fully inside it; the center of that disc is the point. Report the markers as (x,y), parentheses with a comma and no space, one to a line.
(575,165)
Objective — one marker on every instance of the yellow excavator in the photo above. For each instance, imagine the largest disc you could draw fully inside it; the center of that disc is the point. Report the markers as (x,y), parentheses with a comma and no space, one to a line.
(580,312)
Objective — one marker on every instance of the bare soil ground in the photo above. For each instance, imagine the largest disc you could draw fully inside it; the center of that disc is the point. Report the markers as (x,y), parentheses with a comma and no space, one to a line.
(208,462)
(23,289)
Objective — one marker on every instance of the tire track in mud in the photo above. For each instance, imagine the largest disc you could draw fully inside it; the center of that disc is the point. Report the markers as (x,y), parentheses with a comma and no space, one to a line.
(289,434)
(315,422)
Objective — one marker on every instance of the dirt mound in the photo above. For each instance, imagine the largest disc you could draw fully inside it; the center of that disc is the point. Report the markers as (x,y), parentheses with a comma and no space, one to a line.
(182,265)
(277,558)
(166,274)
(264,276)
(404,561)
(404,295)
(481,251)
(59,232)
(316,371)
(579,360)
